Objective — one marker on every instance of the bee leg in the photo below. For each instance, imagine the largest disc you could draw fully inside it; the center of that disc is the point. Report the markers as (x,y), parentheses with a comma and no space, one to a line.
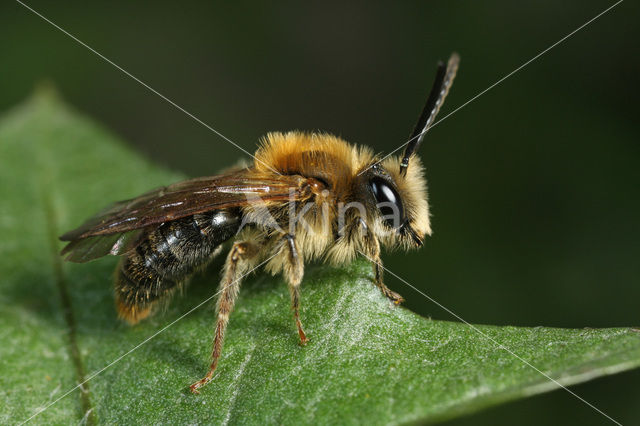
(238,261)
(372,250)
(293,271)
(390,294)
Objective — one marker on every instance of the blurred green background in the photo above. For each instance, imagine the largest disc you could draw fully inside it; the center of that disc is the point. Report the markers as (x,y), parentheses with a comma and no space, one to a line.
(534,186)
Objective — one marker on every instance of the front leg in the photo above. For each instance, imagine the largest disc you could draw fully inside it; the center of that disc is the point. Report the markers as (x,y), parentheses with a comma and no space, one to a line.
(293,271)
(237,264)
(371,247)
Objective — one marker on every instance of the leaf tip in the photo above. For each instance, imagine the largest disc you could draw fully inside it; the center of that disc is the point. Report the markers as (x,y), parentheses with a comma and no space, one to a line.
(46,91)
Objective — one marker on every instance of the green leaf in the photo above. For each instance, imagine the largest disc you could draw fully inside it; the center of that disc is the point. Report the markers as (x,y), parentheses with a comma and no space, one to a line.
(367,362)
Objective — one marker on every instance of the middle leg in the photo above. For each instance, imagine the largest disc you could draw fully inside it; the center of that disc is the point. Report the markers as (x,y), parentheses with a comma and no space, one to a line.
(293,271)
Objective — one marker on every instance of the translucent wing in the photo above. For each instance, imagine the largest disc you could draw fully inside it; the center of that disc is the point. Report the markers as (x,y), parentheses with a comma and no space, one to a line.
(111,230)
(90,248)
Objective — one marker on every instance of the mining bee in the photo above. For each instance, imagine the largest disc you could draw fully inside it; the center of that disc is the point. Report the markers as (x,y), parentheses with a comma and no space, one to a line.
(307,196)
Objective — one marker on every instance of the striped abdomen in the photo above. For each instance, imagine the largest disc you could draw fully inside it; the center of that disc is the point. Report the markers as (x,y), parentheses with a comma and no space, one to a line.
(167,256)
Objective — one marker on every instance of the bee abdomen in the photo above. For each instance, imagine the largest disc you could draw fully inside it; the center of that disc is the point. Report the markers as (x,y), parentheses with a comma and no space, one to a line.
(166,257)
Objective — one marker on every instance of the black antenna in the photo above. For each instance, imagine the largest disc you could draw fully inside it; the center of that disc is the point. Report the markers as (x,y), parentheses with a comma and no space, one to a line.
(439,91)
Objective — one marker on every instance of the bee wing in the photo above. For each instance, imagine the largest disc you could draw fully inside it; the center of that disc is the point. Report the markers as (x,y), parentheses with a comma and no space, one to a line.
(90,248)
(184,199)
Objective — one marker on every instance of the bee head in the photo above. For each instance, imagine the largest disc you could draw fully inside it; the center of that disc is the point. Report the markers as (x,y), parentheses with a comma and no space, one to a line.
(397,203)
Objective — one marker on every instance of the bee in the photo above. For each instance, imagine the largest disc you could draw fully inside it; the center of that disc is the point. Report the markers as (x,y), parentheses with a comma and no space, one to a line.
(306,196)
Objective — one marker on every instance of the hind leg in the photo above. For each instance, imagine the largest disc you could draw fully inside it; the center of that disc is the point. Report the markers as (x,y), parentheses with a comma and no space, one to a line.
(238,263)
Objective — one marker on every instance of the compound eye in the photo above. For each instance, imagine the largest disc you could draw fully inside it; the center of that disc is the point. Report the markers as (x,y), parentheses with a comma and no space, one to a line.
(388,202)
